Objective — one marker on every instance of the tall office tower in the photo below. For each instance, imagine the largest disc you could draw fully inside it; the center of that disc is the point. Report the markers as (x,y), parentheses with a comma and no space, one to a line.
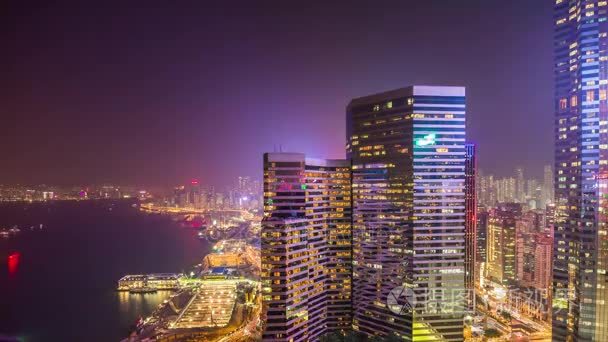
(500,189)
(211,198)
(194,194)
(180,197)
(470,206)
(487,191)
(524,252)
(479,185)
(580,308)
(602,258)
(528,227)
(531,190)
(542,261)
(204,199)
(520,195)
(219,200)
(306,247)
(532,193)
(538,197)
(492,196)
(243,184)
(501,243)
(511,190)
(481,188)
(547,195)
(482,231)
(506,190)
(408,153)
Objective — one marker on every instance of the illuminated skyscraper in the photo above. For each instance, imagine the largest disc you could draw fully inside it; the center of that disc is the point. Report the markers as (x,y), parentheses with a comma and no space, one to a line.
(470,223)
(547,194)
(482,231)
(408,153)
(306,247)
(194,194)
(506,190)
(244,184)
(501,243)
(520,184)
(580,310)
(180,197)
(542,261)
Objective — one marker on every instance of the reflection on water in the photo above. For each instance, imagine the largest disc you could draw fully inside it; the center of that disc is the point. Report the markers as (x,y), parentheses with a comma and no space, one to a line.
(61,286)
(135,304)
(13,263)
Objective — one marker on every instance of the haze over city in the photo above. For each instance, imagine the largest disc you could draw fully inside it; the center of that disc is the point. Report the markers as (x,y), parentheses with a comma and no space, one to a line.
(157,94)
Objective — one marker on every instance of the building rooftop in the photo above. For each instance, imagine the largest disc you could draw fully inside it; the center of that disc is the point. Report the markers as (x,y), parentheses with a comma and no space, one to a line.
(414,90)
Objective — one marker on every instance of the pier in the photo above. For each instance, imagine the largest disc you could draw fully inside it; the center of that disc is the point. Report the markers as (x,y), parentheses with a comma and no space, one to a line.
(150,282)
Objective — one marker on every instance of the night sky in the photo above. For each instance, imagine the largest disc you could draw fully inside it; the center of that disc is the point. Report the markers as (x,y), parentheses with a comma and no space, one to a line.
(158,92)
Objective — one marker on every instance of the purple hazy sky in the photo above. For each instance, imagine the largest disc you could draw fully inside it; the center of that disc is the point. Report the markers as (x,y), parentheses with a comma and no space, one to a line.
(158,92)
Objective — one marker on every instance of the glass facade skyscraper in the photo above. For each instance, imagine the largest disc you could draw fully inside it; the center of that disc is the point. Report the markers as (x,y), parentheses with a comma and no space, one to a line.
(581,161)
(306,247)
(501,243)
(408,153)
(470,262)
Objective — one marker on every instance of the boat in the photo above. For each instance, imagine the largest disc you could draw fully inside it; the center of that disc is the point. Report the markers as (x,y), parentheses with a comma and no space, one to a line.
(144,289)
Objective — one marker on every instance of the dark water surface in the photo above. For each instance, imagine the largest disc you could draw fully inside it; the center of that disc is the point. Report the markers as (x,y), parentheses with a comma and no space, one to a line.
(62,287)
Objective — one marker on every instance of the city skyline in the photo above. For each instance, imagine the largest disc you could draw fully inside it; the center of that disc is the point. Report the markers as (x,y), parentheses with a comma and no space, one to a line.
(100,105)
(321,172)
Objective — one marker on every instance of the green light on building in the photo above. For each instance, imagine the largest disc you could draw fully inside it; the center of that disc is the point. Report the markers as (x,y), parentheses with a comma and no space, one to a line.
(303,186)
(426,140)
